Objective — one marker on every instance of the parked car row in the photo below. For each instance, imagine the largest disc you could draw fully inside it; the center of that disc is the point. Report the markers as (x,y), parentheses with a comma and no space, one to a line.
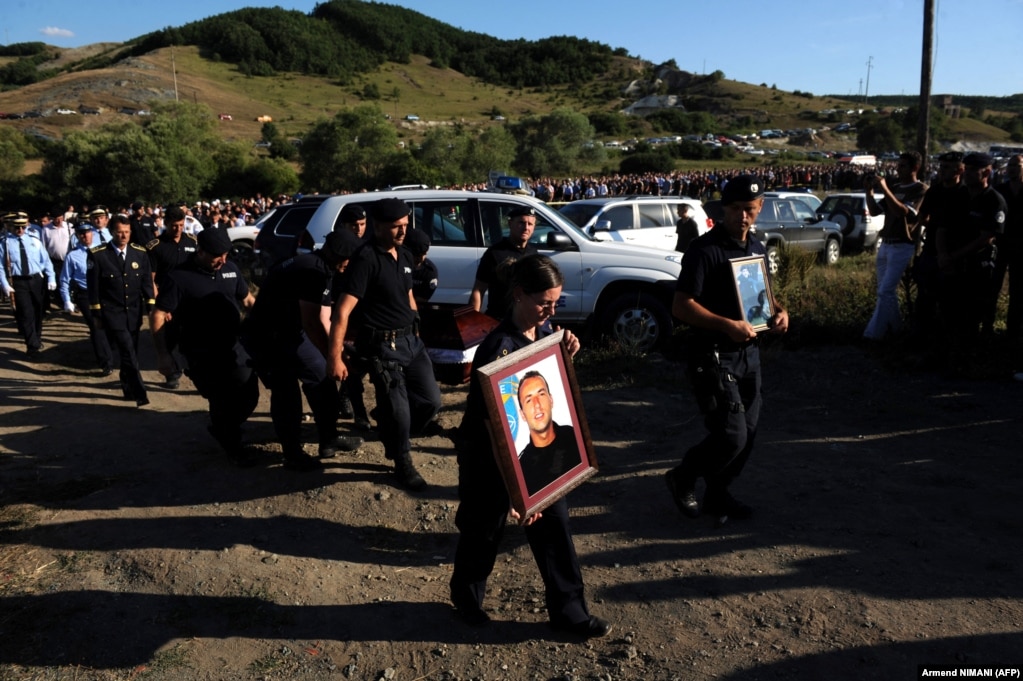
(624,245)
(625,291)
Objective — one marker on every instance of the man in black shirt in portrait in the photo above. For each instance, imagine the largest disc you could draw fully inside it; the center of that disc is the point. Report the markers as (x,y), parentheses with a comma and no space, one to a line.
(552,450)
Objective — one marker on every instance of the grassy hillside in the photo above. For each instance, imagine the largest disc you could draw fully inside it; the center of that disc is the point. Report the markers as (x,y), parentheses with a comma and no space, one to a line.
(439,96)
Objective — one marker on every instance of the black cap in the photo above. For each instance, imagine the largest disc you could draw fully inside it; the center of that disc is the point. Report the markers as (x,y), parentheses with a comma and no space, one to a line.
(417,241)
(978,159)
(522,211)
(390,210)
(136,205)
(214,241)
(352,212)
(742,188)
(952,156)
(340,244)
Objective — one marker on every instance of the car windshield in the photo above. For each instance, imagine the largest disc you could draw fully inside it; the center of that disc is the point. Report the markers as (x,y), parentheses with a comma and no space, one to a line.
(579,213)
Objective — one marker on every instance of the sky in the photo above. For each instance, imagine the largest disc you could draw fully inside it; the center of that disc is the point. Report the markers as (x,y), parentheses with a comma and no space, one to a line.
(840,47)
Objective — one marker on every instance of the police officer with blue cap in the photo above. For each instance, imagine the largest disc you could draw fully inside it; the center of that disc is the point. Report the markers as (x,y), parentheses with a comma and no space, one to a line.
(73,282)
(25,276)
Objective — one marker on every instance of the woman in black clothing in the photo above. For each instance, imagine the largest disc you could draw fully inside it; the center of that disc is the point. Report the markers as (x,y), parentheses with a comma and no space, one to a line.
(536,284)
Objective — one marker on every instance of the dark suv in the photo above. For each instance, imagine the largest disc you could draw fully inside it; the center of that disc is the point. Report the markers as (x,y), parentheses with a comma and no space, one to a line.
(791,222)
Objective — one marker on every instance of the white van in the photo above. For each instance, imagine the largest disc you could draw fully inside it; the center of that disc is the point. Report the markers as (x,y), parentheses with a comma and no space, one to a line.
(859,160)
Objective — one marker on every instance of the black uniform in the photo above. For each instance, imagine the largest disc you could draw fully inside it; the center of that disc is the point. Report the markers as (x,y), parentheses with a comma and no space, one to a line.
(483,509)
(120,293)
(725,374)
(424,281)
(283,353)
(491,271)
(165,254)
(685,231)
(1010,258)
(937,209)
(399,366)
(966,284)
(207,306)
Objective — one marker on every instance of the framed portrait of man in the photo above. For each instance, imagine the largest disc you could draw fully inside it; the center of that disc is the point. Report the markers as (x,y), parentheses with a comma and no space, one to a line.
(539,431)
(753,288)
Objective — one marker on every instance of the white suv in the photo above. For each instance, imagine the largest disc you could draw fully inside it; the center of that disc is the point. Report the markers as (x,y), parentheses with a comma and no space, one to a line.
(641,220)
(860,229)
(620,290)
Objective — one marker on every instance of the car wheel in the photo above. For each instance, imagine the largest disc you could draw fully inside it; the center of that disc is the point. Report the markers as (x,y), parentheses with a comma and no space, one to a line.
(243,255)
(637,320)
(844,219)
(832,251)
(773,260)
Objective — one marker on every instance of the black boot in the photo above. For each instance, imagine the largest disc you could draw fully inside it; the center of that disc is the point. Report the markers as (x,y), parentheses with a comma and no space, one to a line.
(407,474)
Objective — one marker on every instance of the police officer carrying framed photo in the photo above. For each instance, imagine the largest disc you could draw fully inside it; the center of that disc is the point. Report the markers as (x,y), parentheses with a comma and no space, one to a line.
(120,289)
(722,354)
(26,274)
(379,282)
(205,295)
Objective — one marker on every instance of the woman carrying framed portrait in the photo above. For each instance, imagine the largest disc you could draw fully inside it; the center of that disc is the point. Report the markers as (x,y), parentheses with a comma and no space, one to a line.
(484,503)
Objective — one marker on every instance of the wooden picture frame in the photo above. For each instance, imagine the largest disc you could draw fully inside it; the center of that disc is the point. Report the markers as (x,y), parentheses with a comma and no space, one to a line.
(753,290)
(536,474)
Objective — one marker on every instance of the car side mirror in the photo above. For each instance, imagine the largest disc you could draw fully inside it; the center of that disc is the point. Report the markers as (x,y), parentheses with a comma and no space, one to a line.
(556,241)
(601,226)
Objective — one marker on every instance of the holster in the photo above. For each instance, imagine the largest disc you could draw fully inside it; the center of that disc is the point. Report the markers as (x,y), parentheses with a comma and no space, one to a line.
(704,373)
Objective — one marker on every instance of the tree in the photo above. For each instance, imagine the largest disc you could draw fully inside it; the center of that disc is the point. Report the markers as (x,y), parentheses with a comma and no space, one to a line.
(348,151)
(553,144)
(879,135)
(12,151)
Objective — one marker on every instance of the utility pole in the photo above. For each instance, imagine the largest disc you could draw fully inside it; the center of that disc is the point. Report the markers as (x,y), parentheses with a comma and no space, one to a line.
(866,93)
(174,70)
(923,127)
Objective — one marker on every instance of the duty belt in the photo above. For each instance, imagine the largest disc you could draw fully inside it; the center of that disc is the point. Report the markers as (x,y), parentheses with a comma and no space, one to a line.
(388,335)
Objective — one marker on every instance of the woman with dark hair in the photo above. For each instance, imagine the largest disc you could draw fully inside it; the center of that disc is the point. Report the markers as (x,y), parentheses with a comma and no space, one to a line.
(484,505)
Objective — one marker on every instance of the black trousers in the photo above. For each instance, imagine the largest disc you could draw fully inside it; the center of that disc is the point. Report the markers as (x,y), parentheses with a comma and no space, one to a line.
(294,362)
(100,344)
(407,391)
(481,517)
(127,345)
(230,387)
(29,305)
(731,421)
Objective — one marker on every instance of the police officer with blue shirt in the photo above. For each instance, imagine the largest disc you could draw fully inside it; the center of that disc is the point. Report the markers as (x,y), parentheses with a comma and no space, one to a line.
(98,219)
(73,282)
(25,276)
(722,353)
(379,282)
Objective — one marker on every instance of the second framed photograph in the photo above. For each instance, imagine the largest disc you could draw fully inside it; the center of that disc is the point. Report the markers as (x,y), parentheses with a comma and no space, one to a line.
(540,435)
(753,287)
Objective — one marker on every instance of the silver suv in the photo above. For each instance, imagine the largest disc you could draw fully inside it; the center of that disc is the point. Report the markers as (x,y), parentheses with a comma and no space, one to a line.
(620,290)
(641,220)
(860,229)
